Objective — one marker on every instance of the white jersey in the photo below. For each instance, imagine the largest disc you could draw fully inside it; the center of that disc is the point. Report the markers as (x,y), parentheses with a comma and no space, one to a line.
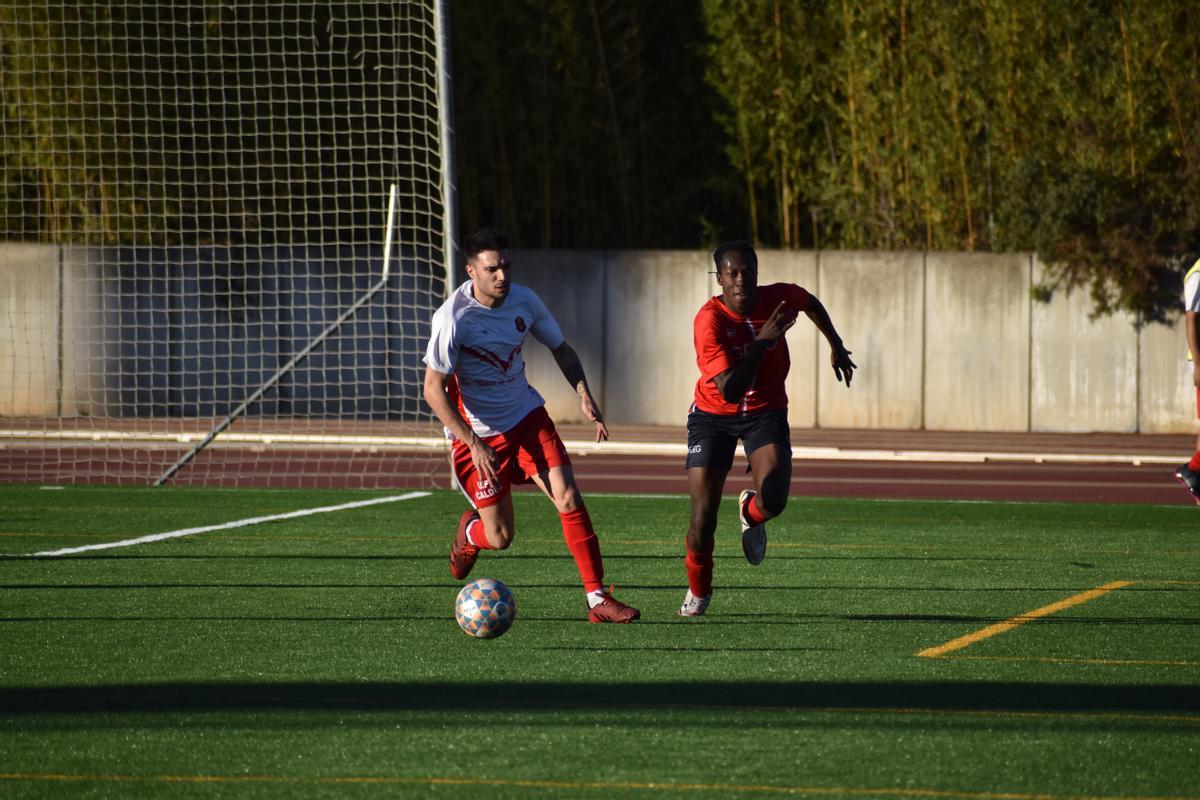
(481,346)
(1191,290)
(1191,294)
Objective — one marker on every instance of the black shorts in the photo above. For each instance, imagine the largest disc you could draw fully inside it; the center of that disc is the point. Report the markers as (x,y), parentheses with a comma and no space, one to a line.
(712,438)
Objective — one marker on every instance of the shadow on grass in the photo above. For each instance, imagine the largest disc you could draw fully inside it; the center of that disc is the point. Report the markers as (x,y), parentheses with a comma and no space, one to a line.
(532,696)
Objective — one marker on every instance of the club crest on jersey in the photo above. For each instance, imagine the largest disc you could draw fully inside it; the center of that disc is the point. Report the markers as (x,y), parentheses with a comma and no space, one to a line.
(520,322)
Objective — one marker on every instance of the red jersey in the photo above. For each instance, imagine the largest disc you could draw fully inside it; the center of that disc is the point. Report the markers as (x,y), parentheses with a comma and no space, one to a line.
(721,338)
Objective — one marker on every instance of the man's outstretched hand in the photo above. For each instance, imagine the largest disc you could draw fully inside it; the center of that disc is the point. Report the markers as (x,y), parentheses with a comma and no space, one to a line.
(843,367)
(592,412)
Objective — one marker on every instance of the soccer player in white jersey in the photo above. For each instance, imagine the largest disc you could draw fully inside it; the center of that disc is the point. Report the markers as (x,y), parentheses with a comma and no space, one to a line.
(1189,473)
(475,383)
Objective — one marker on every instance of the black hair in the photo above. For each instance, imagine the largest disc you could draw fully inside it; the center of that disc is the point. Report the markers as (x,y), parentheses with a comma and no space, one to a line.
(740,246)
(483,240)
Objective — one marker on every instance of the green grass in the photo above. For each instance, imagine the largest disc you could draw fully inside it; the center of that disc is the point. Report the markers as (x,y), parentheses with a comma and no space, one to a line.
(318,656)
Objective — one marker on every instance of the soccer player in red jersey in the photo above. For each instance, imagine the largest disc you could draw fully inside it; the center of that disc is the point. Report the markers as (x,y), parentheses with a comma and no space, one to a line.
(743,359)
(475,383)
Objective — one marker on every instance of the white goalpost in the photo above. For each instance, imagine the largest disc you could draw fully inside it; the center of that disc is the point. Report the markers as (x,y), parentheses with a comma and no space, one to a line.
(200,281)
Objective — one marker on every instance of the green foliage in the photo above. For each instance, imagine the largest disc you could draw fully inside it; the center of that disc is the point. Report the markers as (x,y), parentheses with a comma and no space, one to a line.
(64,153)
(992,125)
(206,122)
(583,123)
(1072,129)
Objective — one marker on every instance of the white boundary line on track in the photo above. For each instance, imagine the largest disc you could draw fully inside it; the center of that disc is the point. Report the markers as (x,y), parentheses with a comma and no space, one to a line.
(237,523)
(583,447)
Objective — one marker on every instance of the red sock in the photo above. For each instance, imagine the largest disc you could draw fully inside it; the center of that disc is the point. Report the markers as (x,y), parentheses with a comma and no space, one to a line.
(753,512)
(699,566)
(477,536)
(1195,462)
(584,546)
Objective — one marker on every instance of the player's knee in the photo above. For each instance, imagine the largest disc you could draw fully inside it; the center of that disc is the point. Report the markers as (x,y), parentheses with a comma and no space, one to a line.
(500,537)
(703,525)
(773,502)
(699,541)
(568,500)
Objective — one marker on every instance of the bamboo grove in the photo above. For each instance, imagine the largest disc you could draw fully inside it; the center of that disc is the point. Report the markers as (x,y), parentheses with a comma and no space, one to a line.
(1066,127)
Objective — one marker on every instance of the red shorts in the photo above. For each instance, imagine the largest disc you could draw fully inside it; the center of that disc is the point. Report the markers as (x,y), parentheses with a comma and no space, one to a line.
(532,447)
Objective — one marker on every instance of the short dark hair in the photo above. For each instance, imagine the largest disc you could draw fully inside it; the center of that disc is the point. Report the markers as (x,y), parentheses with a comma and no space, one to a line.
(740,246)
(483,240)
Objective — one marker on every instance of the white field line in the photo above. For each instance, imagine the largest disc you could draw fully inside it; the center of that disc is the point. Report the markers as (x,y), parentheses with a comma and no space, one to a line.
(237,523)
(584,447)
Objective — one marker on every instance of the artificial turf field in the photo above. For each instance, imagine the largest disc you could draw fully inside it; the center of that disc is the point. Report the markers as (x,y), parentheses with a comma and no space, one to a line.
(318,655)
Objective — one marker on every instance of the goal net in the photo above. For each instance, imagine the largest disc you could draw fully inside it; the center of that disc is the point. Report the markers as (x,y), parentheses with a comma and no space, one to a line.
(195,194)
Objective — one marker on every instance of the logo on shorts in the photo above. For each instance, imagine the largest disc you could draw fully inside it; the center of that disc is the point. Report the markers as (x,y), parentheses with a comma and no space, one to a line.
(520,324)
(484,490)
(696,448)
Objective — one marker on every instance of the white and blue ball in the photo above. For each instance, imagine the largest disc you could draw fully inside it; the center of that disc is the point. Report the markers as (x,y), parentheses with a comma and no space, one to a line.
(485,608)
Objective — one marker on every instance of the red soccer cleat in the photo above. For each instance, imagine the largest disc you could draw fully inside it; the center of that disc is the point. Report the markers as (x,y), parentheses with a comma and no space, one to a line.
(462,552)
(613,610)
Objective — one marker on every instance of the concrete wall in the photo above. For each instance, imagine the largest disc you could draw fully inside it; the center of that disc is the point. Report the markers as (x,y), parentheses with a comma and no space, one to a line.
(572,284)
(84,354)
(876,302)
(977,314)
(1166,395)
(652,300)
(943,341)
(1084,371)
(29,330)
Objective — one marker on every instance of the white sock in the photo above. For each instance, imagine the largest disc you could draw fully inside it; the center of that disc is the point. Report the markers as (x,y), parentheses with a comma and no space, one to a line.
(595,598)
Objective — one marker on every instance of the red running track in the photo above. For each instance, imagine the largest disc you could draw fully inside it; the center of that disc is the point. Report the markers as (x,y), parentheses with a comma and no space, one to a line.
(1024,481)
(613,473)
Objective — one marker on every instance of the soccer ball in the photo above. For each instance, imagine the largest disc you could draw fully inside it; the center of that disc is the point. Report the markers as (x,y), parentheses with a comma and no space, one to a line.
(485,608)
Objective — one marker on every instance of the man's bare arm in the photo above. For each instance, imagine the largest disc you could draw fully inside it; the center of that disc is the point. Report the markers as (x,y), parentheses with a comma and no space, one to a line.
(435,395)
(572,369)
(839,356)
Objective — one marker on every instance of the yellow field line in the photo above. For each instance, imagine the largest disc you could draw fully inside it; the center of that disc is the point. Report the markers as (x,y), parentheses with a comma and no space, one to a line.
(1021,619)
(706,788)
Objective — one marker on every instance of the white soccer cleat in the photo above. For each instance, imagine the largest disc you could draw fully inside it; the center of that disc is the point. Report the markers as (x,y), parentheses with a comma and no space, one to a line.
(754,537)
(693,606)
